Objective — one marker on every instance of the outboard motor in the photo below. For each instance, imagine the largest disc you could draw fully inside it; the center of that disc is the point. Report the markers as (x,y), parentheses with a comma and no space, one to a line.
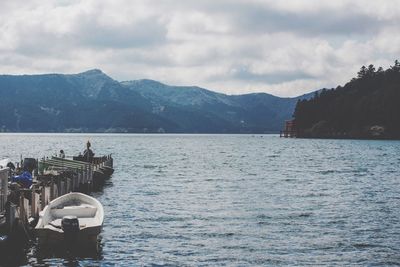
(70,226)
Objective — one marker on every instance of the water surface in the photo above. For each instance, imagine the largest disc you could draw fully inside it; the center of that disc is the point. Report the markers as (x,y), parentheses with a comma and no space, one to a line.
(236,200)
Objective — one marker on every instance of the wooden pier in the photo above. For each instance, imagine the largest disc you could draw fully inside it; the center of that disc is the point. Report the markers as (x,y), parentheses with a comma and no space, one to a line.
(52,177)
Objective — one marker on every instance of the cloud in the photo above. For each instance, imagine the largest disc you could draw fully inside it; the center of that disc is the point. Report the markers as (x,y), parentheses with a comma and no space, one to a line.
(232,46)
(258,19)
(243,73)
(145,33)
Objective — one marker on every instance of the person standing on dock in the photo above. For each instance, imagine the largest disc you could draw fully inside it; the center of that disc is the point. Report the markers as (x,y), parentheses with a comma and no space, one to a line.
(88,153)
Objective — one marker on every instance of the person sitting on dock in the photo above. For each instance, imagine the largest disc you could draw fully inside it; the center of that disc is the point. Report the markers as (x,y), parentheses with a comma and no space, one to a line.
(88,153)
(62,154)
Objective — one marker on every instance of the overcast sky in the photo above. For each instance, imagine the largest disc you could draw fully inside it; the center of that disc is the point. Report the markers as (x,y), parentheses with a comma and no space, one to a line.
(233,46)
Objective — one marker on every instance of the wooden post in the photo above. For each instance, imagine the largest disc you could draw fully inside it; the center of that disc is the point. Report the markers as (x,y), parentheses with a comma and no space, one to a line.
(43,198)
(27,209)
(69,185)
(35,204)
(46,196)
(55,194)
(4,174)
(90,173)
(11,216)
(21,214)
(75,183)
(52,189)
(62,187)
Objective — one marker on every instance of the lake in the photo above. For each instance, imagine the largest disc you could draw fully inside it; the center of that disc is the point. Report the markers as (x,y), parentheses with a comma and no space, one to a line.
(236,200)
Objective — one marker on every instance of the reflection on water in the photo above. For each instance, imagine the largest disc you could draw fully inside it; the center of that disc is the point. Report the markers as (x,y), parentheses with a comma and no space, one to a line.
(70,256)
(32,254)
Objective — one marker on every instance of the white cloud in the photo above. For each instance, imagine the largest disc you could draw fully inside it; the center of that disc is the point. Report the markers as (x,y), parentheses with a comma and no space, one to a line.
(233,46)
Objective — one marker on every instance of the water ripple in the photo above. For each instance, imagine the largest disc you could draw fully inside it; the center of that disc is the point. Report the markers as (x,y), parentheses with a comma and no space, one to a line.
(237,200)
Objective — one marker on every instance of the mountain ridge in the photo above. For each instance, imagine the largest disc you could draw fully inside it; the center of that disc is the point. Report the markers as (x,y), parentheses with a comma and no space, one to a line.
(92,101)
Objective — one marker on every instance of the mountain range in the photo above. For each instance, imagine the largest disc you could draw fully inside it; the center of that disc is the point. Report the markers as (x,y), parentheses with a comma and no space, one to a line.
(94,102)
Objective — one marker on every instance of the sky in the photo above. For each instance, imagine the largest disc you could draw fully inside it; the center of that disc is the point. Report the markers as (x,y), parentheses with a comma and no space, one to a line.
(285,48)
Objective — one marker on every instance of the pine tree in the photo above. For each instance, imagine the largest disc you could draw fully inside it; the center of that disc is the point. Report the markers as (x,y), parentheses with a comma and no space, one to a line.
(371,70)
(361,74)
(396,66)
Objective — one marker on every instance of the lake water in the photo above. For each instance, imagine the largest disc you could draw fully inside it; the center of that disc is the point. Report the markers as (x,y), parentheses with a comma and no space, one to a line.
(237,200)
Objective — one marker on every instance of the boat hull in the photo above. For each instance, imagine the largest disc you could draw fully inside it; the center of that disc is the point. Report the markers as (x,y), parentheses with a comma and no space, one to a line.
(85,237)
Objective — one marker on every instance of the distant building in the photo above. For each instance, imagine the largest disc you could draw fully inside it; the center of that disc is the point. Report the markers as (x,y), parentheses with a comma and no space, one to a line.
(289,130)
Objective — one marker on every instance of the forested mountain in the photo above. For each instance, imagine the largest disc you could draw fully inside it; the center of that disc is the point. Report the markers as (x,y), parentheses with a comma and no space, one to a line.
(366,107)
(206,111)
(93,102)
(89,101)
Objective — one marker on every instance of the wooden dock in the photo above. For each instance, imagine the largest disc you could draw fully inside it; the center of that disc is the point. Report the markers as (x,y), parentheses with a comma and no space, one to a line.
(52,177)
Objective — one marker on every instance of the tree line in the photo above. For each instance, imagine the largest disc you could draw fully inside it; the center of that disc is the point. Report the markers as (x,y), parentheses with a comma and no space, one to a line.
(366,107)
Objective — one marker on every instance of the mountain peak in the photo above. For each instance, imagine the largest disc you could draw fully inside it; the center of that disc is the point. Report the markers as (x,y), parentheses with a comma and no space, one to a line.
(92,72)
(92,82)
(146,82)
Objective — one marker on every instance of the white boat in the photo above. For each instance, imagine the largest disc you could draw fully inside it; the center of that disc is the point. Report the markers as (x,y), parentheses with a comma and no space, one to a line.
(73,218)
(4,163)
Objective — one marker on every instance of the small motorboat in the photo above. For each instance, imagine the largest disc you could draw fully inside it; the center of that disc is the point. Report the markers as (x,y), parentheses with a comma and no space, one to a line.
(72,219)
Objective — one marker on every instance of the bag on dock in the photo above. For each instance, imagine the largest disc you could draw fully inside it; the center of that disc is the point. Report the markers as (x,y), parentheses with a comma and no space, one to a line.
(24,179)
